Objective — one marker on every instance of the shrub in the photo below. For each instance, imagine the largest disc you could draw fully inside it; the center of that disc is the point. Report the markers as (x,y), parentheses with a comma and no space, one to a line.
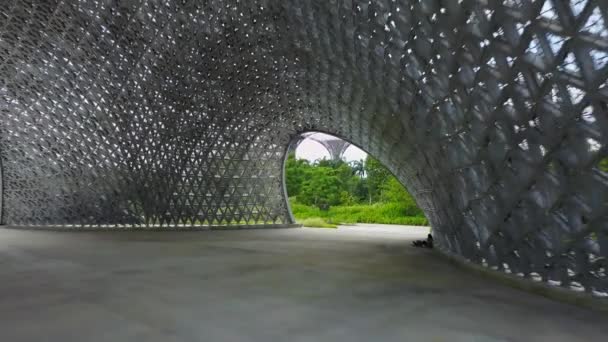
(316,222)
(384,213)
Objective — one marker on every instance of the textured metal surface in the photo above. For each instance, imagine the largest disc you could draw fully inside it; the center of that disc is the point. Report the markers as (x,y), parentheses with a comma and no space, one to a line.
(492,113)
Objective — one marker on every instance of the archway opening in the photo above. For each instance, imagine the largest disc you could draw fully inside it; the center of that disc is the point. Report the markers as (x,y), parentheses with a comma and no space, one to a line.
(330,181)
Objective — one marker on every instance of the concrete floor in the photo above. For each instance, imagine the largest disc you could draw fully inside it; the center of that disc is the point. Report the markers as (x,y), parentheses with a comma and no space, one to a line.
(360,283)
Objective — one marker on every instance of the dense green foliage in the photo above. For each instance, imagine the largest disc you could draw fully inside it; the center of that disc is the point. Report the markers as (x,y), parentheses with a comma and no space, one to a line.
(386,213)
(330,192)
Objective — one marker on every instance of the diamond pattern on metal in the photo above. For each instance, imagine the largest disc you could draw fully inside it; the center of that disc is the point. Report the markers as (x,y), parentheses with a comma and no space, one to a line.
(148,112)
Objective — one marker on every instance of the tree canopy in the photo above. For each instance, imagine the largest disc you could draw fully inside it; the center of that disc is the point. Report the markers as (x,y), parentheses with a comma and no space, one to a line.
(327,183)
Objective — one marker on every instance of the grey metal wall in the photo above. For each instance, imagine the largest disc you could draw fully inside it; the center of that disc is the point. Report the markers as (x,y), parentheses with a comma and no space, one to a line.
(492,113)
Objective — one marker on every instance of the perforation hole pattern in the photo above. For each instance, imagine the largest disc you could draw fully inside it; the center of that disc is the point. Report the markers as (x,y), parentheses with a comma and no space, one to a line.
(179,113)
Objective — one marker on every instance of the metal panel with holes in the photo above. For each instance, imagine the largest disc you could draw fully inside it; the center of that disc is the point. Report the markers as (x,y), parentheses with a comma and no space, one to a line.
(169,113)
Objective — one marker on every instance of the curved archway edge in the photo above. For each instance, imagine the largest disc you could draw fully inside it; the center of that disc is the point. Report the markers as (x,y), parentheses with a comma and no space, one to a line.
(493,114)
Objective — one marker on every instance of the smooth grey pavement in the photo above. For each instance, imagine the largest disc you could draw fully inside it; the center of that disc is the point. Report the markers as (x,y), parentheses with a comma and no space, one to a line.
(361,283)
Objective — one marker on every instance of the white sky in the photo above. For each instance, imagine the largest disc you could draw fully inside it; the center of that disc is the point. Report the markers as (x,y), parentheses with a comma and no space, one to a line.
(312,150)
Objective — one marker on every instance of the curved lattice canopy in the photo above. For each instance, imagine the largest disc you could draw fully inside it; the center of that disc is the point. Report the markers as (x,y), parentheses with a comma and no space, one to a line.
(149,112)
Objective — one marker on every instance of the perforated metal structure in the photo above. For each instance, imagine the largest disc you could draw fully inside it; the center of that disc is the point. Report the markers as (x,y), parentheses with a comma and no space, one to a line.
(149,112)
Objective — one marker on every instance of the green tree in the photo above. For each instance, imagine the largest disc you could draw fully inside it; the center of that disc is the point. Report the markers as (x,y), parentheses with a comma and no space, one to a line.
(394,192)
(377,175)
(296,172)
(358,168)
(322,190)
(327,183)
(360,191)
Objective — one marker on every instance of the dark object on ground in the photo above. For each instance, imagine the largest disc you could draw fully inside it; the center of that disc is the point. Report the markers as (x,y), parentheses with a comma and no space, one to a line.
(428,243)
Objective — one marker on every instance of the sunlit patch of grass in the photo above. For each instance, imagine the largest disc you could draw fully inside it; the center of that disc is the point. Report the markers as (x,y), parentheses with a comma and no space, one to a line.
(385,213)
(316,222)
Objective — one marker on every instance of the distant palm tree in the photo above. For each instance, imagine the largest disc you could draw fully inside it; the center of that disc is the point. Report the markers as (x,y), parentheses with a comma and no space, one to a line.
(358,167)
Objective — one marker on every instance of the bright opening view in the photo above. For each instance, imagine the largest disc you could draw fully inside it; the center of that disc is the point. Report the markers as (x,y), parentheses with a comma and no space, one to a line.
(332,182)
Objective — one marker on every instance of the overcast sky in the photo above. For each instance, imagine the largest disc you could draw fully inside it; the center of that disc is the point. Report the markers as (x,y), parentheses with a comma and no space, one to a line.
(312,150)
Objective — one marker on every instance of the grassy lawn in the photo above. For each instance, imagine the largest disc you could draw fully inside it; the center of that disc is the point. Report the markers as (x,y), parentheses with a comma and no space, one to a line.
(383,213)
(316,222)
